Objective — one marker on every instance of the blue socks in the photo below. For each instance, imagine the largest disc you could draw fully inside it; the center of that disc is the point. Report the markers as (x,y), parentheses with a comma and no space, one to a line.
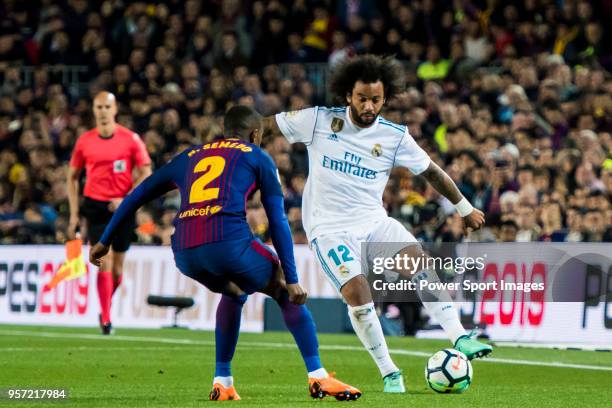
(297,318)
(227,328)
(301,325)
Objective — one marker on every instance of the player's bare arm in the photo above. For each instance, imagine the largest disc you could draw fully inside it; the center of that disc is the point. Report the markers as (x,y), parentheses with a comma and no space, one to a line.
(72,181)
(447,187)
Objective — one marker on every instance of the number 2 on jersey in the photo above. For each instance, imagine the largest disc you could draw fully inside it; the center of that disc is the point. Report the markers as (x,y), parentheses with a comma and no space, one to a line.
(212,167)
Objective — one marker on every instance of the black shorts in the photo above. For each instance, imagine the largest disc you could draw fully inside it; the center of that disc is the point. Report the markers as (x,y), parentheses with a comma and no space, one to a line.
(98,215)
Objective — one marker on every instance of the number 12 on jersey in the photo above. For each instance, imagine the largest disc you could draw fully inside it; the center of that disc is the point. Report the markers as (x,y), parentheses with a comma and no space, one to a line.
(211,167)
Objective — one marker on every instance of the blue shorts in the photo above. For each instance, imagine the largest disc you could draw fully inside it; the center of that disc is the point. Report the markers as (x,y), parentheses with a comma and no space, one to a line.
(248,263)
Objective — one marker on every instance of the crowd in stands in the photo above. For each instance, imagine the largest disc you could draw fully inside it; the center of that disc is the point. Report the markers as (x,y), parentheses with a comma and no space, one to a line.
(512,99)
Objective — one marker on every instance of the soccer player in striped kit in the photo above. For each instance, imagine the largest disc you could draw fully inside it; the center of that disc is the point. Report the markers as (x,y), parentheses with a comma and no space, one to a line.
(115,160)
(214,245)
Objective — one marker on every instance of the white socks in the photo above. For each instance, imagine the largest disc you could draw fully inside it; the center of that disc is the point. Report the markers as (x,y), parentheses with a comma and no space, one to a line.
(367,327)
(440,306)
(229,381)
(446,314)
(319,373)
(224,381)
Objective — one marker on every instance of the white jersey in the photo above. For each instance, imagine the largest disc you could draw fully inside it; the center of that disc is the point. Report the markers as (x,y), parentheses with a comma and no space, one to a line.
(348,166)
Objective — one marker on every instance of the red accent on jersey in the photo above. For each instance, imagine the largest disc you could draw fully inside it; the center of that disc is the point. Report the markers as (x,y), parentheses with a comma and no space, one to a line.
(109,162)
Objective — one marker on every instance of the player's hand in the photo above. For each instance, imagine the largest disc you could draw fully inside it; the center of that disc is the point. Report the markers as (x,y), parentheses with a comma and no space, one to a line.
(297,294)
(474,220)
(97,253)
(73,224)
(114,204)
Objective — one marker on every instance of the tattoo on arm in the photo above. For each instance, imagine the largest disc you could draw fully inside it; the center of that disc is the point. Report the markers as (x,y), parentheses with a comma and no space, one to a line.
(442,183)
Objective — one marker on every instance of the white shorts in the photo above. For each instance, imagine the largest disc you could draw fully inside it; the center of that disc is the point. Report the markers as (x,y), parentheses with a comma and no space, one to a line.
(340,254)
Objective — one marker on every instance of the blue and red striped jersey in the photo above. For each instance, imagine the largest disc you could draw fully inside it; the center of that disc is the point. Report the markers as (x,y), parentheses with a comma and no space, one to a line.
(214,180)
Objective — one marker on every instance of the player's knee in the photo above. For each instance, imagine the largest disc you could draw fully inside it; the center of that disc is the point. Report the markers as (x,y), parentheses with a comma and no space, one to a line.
(356,291)
(105,265)
(117,270)
(294,315)
(281,297)
(426,294)
(232,290)
(239,299)
(412,251)
(275,286)
(428,275)
(117,262)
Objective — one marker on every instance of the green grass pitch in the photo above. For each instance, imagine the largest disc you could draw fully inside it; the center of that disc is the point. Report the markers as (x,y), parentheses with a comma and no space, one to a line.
(174,368)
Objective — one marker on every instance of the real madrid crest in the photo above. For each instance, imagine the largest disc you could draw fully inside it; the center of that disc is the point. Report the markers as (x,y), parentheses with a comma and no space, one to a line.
(344,270)
(337,125)
(377,150)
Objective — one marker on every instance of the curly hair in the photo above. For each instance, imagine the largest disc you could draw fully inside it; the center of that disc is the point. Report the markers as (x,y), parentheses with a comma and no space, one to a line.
(367,68)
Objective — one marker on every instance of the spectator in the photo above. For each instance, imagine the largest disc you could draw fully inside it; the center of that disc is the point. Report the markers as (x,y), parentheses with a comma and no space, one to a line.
(229,55)
(435,67)
(513,101)
(508,231)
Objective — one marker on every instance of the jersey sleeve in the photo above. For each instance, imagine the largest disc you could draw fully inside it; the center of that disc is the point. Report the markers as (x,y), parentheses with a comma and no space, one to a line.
(298,126)
(273,202)
(158,183)
(268,180)
(77,160)
(139,151)
(410,155)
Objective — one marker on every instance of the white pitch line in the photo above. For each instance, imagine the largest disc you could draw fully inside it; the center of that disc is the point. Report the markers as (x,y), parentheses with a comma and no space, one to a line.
(555,364)
(94,348)
(558,346)
(106,338)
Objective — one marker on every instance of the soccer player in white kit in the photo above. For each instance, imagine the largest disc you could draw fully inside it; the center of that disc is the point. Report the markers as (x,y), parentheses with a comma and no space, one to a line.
(351,152)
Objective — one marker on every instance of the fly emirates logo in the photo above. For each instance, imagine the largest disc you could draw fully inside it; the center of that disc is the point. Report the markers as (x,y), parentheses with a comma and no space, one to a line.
(350,165)
(201,212)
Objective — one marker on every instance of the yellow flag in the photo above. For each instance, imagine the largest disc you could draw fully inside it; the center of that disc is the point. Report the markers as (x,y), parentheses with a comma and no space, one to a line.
(73,267)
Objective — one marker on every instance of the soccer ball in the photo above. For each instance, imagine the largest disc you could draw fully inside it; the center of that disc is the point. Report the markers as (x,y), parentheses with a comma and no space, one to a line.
(448,371)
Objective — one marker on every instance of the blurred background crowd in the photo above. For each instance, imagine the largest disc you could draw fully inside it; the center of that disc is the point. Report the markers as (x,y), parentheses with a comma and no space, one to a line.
(512,99)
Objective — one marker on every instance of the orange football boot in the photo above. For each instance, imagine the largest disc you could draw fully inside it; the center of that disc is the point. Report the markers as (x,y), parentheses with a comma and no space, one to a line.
(220,393)
(320,387)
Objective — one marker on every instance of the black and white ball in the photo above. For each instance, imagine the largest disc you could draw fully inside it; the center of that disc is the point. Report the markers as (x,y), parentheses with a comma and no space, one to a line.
(449,371)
